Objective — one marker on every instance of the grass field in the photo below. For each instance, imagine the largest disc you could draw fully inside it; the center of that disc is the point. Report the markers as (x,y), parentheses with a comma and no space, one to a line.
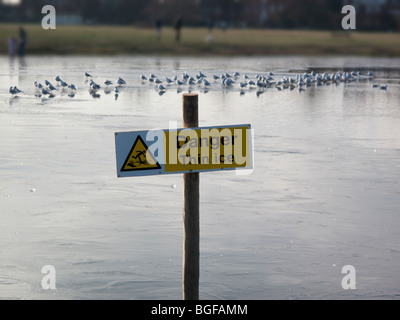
(104,40)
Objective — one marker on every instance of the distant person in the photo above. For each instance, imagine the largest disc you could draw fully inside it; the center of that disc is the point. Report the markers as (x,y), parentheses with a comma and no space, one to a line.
(223,25)
(178,27)
(210,27)
(23,40)
(12,46)
(158,29)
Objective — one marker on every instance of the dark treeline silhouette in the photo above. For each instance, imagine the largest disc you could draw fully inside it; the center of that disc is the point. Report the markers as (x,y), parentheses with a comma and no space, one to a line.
(286,14)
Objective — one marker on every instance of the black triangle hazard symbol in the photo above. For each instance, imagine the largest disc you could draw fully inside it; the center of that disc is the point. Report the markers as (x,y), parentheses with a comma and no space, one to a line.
(140,158)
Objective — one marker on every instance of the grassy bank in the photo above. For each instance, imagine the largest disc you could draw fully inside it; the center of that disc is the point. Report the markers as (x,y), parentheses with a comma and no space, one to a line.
(131,40)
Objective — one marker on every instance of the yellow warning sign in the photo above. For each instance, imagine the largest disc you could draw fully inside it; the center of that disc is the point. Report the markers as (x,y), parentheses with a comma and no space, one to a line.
(140,158)
(207,149)
(155,152)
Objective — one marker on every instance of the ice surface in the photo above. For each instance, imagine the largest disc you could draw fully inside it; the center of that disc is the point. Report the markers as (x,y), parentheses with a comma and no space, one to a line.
(324,193)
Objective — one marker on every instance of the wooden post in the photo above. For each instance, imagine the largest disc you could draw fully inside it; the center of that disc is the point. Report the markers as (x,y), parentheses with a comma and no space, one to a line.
(191,232)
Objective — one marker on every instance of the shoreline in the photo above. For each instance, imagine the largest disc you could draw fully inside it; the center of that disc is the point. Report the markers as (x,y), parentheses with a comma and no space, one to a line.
(128,40)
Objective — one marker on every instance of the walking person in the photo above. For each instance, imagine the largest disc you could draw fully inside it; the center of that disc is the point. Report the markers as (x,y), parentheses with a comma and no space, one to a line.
(158,29)
(178,27)
(12,45)
(210,26)
(23,38)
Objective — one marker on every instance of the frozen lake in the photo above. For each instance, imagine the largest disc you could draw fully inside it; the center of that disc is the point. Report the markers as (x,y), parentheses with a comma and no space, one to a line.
(324,193)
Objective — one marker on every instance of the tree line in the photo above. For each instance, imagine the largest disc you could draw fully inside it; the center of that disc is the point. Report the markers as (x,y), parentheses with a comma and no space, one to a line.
(286,14)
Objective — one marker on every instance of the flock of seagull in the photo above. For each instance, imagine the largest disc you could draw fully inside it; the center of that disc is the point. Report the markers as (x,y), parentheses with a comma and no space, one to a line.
(301,81)
(48,89)
(200,80)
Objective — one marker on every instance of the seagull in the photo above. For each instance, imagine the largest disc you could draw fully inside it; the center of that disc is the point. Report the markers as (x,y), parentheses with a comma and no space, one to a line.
(143,77)
(88,75)
(72,87)
(179,82)
(121,81)
(50,86)
(13,91)
(384,87)
(168,80)
(201,75)
(158,81)
(206,83)
(94,86)
(161,87)
(227,81)
(375,86)
(16,89)
(337,77)
(108,82)
(45,92)
(58,79)
(261,84)
(64,84)
(116,93)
